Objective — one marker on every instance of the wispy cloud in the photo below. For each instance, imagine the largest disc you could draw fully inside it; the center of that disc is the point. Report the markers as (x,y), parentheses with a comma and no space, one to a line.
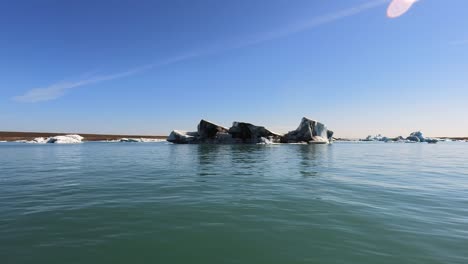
(57,90)
(308,24)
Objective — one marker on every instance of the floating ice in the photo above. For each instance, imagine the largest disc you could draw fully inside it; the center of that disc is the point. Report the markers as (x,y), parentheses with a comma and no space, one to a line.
(309,131)
(265,141)
(66,139)
(39,140)
(182,137)
(399,7)
(145,140)
(414,137)
(445,140)
(379,137)
(129,140)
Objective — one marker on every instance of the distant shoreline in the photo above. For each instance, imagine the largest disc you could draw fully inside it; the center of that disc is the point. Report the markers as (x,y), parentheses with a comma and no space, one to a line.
(356,139)
(14,136)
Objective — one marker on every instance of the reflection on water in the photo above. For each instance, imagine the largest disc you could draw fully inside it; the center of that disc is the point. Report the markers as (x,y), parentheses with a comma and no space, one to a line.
(253,159)
(209,158)
(311,156)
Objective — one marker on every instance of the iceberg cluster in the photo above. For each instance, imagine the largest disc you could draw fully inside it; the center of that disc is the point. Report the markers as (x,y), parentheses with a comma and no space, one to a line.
(412,138)
(65,139)
(309,131)
(375,138)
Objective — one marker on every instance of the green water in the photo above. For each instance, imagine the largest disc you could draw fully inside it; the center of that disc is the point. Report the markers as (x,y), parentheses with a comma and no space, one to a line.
(163,203)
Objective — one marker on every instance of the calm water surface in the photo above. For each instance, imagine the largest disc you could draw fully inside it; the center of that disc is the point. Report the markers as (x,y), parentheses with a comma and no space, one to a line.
(163,203)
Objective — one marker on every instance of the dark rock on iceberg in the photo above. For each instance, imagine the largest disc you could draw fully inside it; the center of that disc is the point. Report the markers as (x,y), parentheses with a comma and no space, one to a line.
(431,140)
(248,133)
(413,139)
(208,130)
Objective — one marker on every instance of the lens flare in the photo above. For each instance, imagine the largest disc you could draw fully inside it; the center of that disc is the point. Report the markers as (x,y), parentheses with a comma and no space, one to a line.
(399,7)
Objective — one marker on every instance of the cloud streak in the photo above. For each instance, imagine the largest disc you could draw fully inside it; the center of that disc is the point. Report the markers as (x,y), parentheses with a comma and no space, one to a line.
(59,89)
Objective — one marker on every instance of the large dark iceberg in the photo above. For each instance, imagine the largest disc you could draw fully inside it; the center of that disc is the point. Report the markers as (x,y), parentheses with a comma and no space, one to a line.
(309,131)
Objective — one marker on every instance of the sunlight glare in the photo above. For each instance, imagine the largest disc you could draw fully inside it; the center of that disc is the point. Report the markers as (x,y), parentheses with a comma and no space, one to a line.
(399,7)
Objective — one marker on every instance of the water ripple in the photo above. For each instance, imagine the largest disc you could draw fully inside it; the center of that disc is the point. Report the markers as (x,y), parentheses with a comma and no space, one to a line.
(345,203)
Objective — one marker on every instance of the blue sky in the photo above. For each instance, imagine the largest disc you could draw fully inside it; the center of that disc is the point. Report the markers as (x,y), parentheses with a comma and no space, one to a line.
(148,67)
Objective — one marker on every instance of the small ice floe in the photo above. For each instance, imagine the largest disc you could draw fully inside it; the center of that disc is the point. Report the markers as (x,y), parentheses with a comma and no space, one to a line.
(38,140)
(445,140)
(65,139)
(375,138)
(399,7)
(153,140)
(108,141)
(129,140)
(144,140)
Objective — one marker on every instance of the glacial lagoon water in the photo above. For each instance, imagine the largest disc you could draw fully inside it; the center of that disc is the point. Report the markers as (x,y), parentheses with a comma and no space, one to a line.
(164,203)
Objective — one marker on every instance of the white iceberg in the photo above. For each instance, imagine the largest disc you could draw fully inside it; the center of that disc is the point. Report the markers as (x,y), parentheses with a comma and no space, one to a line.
(129,140)
(38,140)
(153,140)
(182,137)
(445,140)
(65,139)
(145,140)
(265,141)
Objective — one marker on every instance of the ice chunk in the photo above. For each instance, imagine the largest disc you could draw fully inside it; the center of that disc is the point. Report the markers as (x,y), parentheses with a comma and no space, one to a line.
(146,140)
(67,139)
